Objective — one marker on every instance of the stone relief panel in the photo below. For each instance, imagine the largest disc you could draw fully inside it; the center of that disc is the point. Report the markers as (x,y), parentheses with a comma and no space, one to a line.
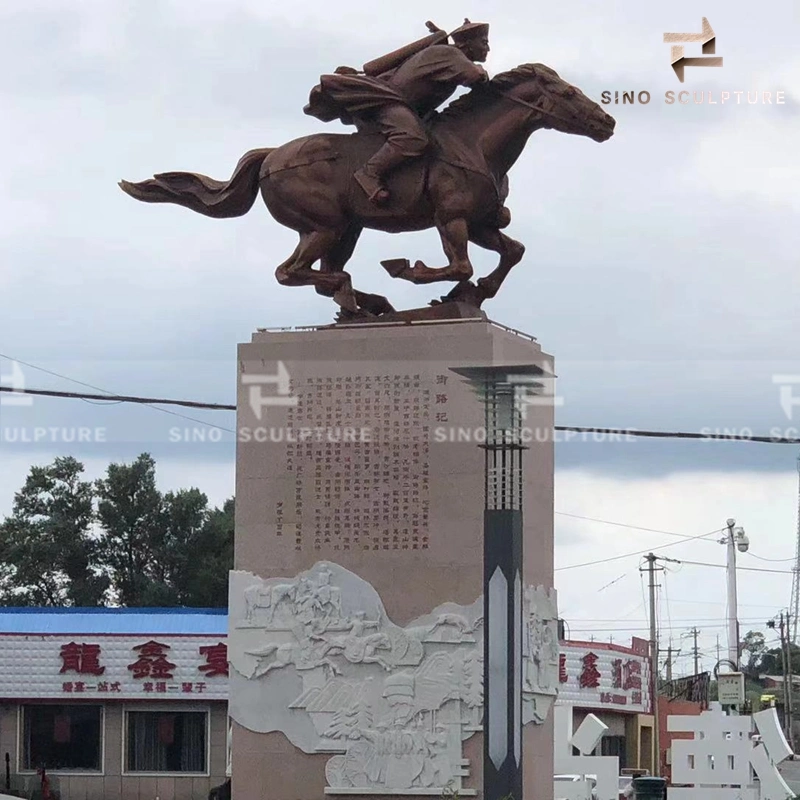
(317,658)
(540,651)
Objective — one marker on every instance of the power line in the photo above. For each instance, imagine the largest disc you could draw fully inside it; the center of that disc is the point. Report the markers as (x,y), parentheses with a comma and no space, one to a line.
(643,627)
(569,428)
(738,568)
(671,622)
(635,553)
(761,558)
(122,398)
(633,527)
(108,398)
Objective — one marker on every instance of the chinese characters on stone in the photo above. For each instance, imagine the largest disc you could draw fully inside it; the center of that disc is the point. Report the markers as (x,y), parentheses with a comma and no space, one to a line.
(360,493)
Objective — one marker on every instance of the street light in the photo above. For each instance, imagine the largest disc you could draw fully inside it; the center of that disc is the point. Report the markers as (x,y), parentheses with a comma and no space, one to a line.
(500,389)
(735,539)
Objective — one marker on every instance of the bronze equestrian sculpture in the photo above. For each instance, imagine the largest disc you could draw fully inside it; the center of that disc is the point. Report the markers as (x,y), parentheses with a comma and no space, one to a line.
(328,188)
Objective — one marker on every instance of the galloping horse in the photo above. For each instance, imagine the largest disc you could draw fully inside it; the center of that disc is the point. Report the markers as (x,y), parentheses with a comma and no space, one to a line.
(459,188)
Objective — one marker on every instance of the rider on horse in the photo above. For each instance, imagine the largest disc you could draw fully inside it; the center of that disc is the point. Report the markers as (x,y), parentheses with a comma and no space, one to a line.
(396,93)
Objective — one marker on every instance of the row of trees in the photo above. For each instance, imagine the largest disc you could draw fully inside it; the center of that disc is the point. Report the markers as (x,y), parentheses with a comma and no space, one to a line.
(758,659)
(114,541)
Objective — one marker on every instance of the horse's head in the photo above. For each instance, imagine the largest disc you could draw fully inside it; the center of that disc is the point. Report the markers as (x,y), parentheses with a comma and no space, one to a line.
(562,106)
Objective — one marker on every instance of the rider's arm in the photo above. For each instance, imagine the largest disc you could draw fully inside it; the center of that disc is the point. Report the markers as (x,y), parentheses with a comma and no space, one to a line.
(469,72)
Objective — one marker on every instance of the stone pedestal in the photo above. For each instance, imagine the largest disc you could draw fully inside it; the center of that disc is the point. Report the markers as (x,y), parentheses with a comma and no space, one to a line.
(359,469)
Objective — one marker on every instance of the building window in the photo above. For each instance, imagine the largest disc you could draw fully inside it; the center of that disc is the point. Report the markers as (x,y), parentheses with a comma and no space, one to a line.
(62,737)
(166,741)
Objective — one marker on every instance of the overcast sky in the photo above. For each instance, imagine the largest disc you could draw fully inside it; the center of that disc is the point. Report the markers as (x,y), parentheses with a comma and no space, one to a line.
(661,270)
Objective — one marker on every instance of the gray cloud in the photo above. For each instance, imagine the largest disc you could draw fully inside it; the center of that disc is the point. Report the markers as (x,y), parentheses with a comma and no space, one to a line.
(630,258)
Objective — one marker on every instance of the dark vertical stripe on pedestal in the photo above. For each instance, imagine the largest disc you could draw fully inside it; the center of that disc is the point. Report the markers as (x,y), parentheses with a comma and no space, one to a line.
(502,570)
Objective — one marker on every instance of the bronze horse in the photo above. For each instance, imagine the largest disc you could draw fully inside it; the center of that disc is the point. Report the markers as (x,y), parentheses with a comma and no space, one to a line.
(460,188)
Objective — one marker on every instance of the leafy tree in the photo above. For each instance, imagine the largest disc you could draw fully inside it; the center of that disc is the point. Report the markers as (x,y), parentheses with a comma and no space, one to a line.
(163,550)
(201,578)
(48,551)
(130,511)
(753,648)
(772,662)
(150,549)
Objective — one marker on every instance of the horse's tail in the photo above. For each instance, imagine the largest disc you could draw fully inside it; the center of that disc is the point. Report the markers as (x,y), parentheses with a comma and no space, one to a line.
(219,199)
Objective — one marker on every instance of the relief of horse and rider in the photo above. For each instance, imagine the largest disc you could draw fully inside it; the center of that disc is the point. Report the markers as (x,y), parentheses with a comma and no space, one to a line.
(408,167)
(306,627)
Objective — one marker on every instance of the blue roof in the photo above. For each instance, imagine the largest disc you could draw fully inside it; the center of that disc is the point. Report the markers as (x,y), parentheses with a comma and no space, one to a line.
(197,621)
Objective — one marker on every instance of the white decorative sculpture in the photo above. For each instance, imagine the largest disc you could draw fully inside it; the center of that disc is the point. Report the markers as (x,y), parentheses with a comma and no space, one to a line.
(717,762)
(604,768)
(317,658)
(539,654)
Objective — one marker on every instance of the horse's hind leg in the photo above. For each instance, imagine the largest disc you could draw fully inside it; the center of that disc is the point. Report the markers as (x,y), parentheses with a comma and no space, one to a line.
(297,271)
(334,262)
(455,239)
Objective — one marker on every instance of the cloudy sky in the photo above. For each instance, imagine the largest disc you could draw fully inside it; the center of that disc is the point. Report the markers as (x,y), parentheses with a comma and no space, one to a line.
(661,271)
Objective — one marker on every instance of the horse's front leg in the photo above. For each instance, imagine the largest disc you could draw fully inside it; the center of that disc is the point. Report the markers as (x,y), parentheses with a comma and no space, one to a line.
(511,252)
(455,241)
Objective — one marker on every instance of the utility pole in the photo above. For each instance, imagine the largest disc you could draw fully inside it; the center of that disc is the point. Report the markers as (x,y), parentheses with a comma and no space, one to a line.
(717,648)
(651,568)
(786,728)
(795,607)
(668,664)
(696,652)
(735,538)
(787,680)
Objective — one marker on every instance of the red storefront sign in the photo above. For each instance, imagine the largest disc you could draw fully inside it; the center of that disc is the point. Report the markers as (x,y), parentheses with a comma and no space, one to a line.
(590,675)
(81,658)
(152,661)
(216,660)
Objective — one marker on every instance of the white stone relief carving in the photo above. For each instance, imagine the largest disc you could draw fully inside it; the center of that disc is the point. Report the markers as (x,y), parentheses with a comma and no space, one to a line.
(540,651)
(317,658)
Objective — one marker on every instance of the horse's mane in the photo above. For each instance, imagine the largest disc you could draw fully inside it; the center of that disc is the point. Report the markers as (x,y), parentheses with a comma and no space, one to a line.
(503,80)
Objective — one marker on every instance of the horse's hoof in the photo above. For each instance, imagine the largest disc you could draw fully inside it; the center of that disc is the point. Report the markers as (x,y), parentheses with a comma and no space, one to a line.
(487,287)
(396,266)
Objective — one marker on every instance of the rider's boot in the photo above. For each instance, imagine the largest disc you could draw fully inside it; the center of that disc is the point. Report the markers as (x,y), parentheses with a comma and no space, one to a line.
(371,176)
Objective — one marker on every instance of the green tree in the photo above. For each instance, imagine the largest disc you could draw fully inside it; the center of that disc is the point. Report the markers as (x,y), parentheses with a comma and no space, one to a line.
(202,582)
(48,551)
(772,662)
(753,648)
(163,550)
(129,509)
(150,549)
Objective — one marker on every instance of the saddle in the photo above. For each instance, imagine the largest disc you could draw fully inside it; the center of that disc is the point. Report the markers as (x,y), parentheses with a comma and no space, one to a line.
(407,184)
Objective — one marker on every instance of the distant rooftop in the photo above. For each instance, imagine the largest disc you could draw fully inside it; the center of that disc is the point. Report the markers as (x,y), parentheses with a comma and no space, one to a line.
(187,621)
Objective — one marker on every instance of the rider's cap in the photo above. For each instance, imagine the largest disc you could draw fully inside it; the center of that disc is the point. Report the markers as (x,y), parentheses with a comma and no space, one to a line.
(470,30)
